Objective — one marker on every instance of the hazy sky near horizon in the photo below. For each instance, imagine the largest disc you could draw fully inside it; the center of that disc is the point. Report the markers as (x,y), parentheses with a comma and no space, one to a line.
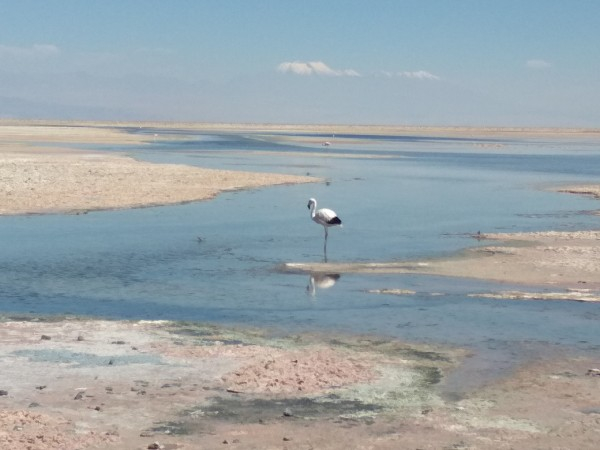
(407,62)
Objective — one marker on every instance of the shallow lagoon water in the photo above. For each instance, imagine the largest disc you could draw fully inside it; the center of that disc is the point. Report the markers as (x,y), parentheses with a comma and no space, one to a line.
(218,261)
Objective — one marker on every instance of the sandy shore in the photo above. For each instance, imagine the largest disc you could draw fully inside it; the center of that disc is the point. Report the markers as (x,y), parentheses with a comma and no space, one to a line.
(42,179)
(74,384)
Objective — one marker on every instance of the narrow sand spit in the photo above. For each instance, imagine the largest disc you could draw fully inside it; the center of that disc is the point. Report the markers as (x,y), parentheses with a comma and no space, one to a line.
(563,260)
(81,384)
(36,179)
(593,190)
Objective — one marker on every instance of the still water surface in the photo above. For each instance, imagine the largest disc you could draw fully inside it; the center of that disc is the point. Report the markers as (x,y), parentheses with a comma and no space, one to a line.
(399,198)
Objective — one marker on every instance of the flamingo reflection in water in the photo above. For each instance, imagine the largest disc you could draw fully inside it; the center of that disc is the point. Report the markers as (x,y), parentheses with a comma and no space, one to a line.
(321,281)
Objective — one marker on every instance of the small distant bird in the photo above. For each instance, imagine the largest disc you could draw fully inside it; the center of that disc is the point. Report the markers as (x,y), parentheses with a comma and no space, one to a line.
(325,217)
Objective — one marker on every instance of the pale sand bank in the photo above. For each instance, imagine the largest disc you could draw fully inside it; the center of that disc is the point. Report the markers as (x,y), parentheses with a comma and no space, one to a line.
(80,384)
(64,182)
(579,295)
(39,179)
(590,189)
(564,259)
(18,134)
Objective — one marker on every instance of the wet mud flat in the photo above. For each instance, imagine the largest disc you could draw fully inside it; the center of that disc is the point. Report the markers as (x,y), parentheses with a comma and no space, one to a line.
(72,383)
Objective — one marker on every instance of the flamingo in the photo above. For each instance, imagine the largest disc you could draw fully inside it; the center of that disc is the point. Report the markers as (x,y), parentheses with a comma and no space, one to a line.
(325,217)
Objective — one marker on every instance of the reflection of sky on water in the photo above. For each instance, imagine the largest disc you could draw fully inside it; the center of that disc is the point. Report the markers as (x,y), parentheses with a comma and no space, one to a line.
(421,202)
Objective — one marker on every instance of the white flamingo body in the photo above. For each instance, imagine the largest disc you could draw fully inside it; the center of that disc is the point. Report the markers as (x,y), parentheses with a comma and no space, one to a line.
(324,217)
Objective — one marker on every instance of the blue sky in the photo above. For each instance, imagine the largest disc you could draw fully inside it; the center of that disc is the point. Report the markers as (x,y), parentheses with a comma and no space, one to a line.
(405,62)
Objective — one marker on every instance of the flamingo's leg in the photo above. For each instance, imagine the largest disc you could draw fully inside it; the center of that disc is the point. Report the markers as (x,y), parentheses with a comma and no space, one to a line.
(325,245)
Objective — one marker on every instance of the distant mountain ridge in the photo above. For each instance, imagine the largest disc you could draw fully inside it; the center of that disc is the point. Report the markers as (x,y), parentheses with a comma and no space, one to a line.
(18,108)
